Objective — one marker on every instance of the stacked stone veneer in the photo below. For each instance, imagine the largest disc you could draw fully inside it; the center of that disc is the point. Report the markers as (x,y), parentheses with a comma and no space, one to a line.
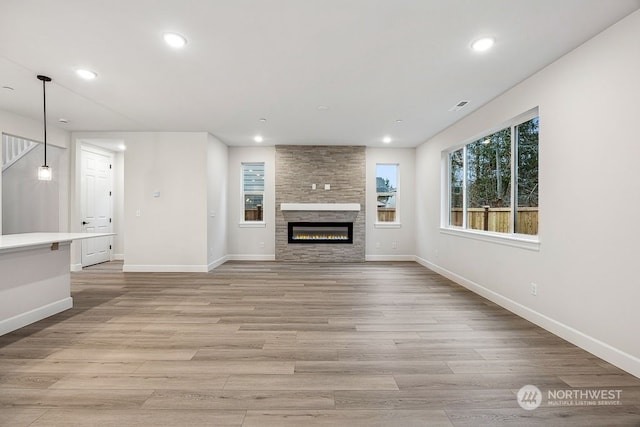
(297,168)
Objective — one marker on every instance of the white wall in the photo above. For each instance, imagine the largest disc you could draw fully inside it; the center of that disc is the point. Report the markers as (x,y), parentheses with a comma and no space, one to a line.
(166,233)
(13,124)
(217,175)
(118,206)
(251,243)
(381,238)
(30,205)
(586,266)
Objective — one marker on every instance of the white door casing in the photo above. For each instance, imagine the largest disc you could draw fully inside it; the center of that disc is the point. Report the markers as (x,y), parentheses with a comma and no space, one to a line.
(96,188)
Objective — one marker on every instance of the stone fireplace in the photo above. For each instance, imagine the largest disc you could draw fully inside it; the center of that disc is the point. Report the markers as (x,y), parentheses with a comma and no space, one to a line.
(324,185)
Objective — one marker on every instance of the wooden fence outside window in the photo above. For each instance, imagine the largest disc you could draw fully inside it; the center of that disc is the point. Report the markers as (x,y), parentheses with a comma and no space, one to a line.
(497,219)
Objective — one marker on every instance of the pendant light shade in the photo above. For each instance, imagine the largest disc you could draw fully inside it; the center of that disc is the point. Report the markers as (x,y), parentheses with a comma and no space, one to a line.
(44,172)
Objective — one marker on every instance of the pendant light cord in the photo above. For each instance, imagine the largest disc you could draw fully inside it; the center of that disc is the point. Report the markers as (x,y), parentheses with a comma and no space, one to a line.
(44,102)
(44,80)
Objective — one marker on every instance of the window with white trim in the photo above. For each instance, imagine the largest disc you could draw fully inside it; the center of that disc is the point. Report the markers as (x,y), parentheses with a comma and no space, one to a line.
(253,192)
(491,175)
(387,192)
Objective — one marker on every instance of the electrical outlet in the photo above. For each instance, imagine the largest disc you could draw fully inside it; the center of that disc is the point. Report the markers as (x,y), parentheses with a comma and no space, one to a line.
(534,289)
(394,245)
(261,244)
(377,245)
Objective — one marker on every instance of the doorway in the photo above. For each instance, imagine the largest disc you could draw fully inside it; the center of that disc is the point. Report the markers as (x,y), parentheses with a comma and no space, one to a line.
(96,200)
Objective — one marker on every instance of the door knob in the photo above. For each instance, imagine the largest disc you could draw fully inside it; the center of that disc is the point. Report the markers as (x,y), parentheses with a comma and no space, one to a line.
(84,223)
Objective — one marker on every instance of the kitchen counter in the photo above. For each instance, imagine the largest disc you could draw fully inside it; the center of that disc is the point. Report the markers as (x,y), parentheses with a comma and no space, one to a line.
(35,279)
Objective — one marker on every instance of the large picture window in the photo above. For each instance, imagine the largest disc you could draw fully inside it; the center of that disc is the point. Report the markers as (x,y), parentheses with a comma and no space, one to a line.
(491,175)
(387,192)
(253,192)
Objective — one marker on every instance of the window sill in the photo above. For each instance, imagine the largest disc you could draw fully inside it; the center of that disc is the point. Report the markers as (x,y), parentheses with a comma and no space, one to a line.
(256,224)
(531,243)
(387,225)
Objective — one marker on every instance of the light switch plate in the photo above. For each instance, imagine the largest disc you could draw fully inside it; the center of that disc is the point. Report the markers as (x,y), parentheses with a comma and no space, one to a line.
(327,186)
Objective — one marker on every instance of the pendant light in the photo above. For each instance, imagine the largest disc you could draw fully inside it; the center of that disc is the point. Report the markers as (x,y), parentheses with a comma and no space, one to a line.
(44,172)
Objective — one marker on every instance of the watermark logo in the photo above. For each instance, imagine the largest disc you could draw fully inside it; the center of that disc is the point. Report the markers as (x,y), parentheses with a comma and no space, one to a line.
(529,397)
(585,397)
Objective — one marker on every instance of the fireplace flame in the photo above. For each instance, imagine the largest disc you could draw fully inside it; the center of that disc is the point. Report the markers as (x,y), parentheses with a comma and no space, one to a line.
(320,237)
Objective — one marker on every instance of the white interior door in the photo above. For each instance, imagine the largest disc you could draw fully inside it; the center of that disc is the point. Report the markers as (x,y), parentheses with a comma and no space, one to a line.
(96,185)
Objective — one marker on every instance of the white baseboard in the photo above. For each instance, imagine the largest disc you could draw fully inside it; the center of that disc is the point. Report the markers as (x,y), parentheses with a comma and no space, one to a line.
(217,263)
(116,257)
(389,258)
(136,268)
(259,257)
(32,316)
(599,348)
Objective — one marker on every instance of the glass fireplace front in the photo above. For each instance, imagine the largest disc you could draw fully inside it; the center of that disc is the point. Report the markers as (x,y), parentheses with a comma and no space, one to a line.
(320,232)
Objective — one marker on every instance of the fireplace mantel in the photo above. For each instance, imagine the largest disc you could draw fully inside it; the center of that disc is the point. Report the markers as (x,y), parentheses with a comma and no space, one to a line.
(320,207)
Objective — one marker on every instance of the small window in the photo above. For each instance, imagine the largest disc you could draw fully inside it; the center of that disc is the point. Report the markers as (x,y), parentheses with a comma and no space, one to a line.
(387,192)
(253,192)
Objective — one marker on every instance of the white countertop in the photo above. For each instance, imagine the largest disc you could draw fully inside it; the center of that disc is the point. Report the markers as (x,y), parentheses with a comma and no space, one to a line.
(25,240)
(319,206)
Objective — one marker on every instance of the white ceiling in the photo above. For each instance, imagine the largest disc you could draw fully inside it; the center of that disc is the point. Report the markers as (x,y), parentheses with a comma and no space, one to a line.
(371,62)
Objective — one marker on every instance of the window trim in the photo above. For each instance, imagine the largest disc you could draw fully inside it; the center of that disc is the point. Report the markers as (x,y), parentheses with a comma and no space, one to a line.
(511,238)
(244,223)
(396,223)
(522,241)
(387,224)
(252,224)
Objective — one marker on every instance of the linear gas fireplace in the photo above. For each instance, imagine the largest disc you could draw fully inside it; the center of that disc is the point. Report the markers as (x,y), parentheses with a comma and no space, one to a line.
(320,232)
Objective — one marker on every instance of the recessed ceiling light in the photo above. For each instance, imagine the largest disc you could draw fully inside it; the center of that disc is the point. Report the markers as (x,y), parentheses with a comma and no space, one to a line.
(386,139)
(399,121)
(258,138)
(7,87)
(86,74)
(63,120)
(483,44)
(323,107)
(263,120)
(122,147)
(175,40)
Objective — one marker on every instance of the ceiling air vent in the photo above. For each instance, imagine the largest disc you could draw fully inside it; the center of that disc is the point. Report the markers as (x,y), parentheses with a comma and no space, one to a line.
(459,106)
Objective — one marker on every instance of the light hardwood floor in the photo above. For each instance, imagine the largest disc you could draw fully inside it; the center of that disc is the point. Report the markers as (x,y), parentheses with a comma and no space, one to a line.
(273,344)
